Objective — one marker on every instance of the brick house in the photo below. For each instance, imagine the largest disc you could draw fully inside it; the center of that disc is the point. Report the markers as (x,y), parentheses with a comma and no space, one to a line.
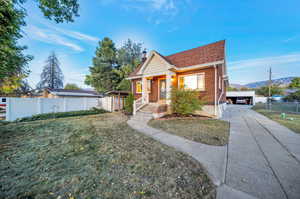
(202,68)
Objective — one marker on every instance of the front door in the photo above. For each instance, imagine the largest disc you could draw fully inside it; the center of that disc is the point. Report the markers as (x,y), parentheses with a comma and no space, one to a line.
(162,89)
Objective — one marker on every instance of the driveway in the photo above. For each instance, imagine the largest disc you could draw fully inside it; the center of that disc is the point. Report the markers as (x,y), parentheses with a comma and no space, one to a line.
(263,156)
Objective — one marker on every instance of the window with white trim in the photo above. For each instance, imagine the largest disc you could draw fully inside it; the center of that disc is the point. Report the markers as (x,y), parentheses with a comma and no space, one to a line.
(194,81)
(220,82)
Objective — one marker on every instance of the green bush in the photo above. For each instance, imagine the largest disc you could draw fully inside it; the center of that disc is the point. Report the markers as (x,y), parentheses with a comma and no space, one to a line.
(185,101)
(3,122)
(293,96)
(45,116)
(129,104)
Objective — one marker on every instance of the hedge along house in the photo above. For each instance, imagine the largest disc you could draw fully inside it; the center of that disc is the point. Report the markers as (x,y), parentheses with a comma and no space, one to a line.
(202,69)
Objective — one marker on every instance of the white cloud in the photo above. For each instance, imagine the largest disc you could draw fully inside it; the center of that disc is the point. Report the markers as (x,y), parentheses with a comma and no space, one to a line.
(265,62)
(156,11)
(48,36)
(73,34)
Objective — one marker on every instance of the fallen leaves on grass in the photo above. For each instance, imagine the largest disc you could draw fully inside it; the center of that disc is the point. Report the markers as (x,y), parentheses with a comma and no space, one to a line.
(92,157)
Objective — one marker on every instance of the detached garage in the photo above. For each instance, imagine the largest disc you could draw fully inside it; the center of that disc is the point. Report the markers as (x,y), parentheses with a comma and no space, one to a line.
(240,97)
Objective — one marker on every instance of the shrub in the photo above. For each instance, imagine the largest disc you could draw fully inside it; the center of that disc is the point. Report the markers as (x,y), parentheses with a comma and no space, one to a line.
(61,114)
(129,104)
(293,96)
(185,101)
(3,122)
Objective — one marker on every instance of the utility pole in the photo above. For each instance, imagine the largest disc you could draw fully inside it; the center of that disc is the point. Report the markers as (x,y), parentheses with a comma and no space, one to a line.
(270,84)
(270,81)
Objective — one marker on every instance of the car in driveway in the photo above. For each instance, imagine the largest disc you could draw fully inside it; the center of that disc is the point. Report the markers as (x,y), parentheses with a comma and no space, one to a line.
(2,107)
(241,100)
(2,102)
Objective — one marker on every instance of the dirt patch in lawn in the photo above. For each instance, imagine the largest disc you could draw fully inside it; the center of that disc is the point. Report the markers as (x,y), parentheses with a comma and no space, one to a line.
(292,121)
(198,129)
(96,156)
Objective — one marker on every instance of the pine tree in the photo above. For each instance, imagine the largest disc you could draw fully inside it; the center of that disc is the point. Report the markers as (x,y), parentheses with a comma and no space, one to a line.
(52,76)
(111,66)
(103,76)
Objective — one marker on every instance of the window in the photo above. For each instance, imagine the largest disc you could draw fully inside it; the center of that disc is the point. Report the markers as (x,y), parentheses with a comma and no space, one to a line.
(149,85)
(138,86)
(3,99)
(220,82)
(195,81)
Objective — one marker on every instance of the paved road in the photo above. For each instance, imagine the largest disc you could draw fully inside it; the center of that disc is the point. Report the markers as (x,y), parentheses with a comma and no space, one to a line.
(263,156)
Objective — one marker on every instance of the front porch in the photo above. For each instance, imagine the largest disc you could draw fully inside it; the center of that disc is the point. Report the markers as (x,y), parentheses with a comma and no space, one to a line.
(154,90)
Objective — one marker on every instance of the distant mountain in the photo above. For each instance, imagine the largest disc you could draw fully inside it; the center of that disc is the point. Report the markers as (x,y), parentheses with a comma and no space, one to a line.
(238,86)
(282,82)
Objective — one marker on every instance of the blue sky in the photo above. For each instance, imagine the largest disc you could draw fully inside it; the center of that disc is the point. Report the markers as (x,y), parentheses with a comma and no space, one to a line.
(259,33)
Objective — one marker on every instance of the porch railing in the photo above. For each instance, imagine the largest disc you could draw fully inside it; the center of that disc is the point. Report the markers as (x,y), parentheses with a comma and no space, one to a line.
(140,103)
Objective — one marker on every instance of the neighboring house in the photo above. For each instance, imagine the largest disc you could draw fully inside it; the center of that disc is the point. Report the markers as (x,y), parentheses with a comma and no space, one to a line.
(58,93)
(202,68)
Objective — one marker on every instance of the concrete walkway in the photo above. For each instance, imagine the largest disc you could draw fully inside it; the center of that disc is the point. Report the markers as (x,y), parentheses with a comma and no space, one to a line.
(263,156)
(260,161)
(213,158)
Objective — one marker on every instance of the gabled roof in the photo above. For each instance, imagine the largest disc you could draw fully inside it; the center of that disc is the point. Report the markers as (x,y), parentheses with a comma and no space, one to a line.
(136,70)
(204,54)
(201,55)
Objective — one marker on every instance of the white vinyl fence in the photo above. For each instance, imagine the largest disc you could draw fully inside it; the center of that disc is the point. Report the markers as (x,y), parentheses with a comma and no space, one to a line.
(24,107)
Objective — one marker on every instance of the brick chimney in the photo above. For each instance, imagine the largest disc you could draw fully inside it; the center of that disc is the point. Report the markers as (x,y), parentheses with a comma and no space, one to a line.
(144,55)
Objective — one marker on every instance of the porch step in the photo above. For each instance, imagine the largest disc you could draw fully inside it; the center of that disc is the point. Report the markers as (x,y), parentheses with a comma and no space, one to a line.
(153,108)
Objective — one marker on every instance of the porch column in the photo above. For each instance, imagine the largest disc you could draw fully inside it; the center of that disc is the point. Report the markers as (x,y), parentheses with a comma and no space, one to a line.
(144,89)
(168,87)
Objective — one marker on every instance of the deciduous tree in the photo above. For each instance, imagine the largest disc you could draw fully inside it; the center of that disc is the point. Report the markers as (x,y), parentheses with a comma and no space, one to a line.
(71,86)
(293,96)
(295,83)
(275,90)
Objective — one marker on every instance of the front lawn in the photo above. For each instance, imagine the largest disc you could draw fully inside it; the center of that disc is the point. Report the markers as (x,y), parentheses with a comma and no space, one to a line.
(292,121)
(208,131)
(97,156)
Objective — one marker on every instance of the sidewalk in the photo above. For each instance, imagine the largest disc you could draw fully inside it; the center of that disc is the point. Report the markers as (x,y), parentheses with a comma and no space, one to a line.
(213,158)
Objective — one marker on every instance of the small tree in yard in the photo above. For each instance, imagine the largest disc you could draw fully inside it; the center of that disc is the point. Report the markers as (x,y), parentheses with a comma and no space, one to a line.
(129,104)
(185,101)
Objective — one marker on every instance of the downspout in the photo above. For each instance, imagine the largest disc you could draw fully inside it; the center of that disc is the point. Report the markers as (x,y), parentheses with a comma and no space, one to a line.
(215,90)
(221,95)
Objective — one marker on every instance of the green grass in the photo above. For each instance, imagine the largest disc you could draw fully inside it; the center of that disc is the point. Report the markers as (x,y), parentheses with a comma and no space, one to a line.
(208,131)
(293,124)
(96,156)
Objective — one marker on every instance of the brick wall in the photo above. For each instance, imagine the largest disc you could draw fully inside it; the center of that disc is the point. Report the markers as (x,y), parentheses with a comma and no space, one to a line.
(209,94)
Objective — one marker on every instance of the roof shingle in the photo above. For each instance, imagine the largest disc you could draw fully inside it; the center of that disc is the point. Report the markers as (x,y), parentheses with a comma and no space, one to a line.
(204,54)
